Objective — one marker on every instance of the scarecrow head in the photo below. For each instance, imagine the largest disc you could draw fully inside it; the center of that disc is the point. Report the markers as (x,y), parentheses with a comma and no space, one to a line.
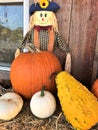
(42,13)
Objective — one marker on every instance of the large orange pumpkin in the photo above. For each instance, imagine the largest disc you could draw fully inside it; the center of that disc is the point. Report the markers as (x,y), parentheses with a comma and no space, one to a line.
(30,71)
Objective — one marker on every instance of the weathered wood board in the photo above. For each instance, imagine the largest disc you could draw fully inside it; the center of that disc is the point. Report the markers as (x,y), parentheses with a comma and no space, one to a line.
(78,23)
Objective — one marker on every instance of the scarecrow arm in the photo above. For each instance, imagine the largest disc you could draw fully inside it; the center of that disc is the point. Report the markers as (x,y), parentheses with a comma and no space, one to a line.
(24,44)
(63,46)
(27,39)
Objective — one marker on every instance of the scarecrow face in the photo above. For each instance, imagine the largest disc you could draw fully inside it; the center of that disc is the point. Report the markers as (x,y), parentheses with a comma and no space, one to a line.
(43,18)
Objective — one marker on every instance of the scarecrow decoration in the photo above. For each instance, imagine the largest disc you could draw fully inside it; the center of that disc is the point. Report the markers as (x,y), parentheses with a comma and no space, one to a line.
(43,33)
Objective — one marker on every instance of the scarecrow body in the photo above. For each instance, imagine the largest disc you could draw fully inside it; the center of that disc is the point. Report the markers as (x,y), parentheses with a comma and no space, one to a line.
(43,33)
(45,40)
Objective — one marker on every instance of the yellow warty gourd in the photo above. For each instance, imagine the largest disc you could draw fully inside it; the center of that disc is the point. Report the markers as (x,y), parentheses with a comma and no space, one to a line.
(79,105)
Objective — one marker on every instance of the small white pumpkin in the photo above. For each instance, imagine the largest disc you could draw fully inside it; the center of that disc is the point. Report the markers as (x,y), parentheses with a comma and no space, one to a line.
(10,105)
(43,104)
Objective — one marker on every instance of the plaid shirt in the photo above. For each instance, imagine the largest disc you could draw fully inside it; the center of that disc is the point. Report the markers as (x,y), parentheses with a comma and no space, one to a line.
(43,39)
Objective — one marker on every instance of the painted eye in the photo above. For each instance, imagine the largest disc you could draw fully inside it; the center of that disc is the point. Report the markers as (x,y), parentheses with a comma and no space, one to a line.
(45,15)
(41,15)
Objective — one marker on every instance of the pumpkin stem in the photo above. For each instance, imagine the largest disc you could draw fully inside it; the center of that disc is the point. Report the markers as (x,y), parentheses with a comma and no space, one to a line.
(31,48)
(42,91)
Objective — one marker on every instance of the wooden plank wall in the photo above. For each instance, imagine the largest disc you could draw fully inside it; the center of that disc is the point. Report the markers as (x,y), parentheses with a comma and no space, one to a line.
(78,23)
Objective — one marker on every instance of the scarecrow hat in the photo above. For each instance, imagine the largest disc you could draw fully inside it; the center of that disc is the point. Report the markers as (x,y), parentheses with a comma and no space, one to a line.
(43,5)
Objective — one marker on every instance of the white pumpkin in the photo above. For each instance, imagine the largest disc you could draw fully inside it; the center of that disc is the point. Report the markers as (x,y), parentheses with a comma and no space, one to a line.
(42,104)
(10,105)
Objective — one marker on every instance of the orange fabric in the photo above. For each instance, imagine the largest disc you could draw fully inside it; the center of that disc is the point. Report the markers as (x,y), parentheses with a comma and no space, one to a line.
(36,40)
(50,43)
(51,40)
